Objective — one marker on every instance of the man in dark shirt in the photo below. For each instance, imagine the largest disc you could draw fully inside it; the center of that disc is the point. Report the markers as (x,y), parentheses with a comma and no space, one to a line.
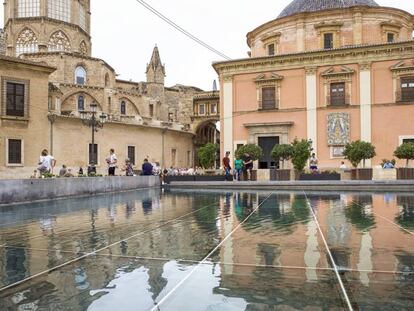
(248,165)
(226,165)
(146,168)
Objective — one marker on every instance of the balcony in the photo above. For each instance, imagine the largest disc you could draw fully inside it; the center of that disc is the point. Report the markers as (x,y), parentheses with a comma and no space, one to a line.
(404,97)
(338,101)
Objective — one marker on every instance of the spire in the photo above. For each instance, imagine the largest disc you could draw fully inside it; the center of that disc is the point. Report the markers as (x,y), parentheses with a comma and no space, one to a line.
(155,69)
(214,85)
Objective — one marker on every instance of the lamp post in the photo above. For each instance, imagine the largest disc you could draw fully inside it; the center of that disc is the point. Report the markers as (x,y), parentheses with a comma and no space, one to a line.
(95,122)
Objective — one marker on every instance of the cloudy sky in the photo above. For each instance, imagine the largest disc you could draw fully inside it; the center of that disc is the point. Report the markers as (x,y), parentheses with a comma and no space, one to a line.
(124,34)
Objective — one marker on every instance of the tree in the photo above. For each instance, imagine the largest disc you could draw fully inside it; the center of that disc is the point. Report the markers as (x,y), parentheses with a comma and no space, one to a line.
(207,155)
(406,152)
(254,151)
(301,153)
(282,153)
(358,151)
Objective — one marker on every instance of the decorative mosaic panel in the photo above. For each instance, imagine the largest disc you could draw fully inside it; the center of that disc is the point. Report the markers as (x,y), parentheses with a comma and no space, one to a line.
(338,129)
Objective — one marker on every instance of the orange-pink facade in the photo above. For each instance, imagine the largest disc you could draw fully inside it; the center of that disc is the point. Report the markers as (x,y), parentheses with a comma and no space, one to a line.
(332,76)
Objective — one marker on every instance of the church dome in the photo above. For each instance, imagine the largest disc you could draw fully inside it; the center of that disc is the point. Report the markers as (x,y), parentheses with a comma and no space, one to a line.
(301,6)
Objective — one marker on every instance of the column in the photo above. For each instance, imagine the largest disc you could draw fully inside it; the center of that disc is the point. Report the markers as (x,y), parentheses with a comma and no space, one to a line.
(311,113)
(227,116)
(365,101)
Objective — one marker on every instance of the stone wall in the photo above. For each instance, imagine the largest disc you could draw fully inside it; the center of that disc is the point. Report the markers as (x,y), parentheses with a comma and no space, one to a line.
(29,190)
(2,43)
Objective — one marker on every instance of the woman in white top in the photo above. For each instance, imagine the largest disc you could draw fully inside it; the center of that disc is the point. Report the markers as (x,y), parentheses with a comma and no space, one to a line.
(46,162)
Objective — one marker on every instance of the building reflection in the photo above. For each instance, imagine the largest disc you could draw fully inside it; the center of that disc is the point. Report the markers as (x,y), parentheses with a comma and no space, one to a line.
(273,256)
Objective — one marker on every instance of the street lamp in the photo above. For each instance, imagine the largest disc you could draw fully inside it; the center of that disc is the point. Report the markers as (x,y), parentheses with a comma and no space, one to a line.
(96,122)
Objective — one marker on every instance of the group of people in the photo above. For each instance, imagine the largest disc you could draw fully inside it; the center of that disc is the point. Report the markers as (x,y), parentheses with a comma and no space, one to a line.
(244,164)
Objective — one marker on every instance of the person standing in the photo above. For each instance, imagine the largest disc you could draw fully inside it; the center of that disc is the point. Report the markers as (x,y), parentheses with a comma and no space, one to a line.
(238,168)
(248,165)
(313,163)
(112,161)
(226,165)
(146,168)
(46,163)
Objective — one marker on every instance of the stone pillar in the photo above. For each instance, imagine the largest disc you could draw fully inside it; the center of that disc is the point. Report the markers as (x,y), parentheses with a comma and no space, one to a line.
(311,112)
(365,101)
(227,117)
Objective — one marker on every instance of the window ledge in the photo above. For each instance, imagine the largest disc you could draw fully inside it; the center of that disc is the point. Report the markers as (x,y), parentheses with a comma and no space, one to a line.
(265,110)
(12,118)
(14,165)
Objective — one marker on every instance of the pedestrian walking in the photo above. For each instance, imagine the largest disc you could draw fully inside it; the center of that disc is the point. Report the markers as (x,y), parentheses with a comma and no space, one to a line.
(226,165)
(248,165)
(238,168)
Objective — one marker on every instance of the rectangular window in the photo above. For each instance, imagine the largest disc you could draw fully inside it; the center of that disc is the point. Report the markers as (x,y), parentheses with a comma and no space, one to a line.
(271,49)
(213,109)
(59,9)
(268,98)
(174,157)
(408,140)
(201,109)
(82,17)
(93,154)
(337,97)
(170,117)
(390,37)
(328,41)
(151,110)
(131,154)
(14,151)
(15,99)
(407,89)
(28,8)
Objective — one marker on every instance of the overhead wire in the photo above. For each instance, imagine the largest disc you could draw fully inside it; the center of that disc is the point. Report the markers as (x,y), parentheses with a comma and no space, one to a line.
(182,30)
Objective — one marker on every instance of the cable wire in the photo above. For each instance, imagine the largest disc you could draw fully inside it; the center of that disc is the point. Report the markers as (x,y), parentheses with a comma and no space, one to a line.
(182,30)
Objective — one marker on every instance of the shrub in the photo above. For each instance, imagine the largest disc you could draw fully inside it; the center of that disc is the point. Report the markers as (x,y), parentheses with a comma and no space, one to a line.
(207,155)
(301,153)
(282,153)
(358,151)
(254,151)
(406,152)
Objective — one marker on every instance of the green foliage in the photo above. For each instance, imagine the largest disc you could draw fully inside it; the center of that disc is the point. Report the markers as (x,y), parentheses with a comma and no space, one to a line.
(207,155)
(358,151)
(282,153)
(301,153)
(406,152)
(254,151)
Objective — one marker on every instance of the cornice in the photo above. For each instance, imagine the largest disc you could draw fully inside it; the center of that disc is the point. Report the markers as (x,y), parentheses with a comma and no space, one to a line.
(339,56)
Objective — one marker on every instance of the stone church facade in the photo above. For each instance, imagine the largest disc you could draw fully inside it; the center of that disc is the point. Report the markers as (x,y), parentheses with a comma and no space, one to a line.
(143,119)
(328,71)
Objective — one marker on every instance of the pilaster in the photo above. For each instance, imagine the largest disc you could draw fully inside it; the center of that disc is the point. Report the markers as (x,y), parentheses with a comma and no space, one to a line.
(228,116)
(311,112)
(365,103)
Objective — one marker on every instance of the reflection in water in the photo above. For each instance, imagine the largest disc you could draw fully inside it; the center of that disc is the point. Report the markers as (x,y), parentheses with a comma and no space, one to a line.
(274,260)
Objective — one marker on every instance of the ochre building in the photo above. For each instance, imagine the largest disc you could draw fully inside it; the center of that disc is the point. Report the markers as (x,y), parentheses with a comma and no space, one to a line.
(329,71)
(142,119)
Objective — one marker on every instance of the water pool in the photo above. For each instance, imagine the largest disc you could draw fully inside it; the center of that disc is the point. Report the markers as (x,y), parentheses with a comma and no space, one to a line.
(210,250)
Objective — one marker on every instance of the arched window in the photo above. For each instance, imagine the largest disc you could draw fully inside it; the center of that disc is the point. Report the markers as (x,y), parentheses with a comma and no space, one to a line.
(81,103)
(59,9)
(58,42)
(26,42)
(83,49)
(80,75)
(28,8)
(123,108)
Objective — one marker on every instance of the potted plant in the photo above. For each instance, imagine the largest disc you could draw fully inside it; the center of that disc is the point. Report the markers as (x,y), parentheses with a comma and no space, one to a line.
(405,152)
(301,152)
(207,157)
(282,153)
(356,152)
(255,153)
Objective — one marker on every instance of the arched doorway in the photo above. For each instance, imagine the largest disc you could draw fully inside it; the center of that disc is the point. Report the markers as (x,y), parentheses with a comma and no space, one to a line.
(207,132)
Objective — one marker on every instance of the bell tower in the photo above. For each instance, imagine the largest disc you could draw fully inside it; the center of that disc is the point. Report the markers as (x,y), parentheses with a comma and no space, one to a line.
(155,69)
(33,26)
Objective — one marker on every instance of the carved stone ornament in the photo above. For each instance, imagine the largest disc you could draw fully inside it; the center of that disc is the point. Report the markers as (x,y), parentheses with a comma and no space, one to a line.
(338,129)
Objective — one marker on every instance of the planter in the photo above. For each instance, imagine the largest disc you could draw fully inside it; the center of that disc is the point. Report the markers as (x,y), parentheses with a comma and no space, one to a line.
(212,178)
(405,173)
(322,176)
(282,175)
(361,174)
